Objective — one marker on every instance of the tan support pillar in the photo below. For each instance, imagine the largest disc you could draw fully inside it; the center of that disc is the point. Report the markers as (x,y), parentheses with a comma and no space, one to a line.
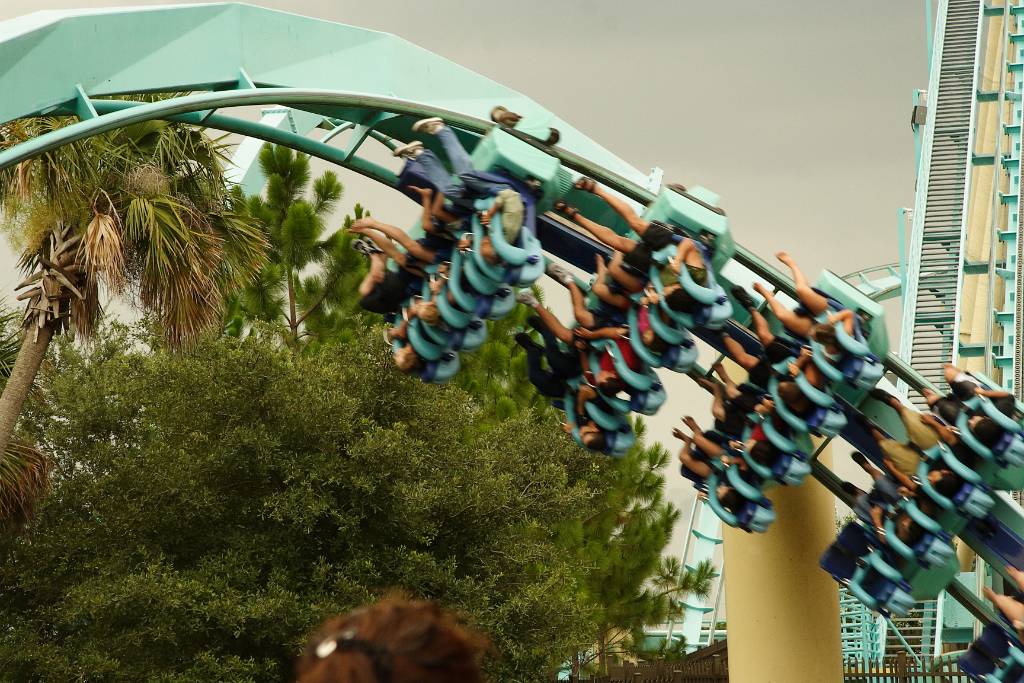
(965,555)
(782,609)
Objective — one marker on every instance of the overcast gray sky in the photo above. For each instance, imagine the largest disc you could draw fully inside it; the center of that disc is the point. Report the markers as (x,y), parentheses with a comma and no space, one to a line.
(796,113)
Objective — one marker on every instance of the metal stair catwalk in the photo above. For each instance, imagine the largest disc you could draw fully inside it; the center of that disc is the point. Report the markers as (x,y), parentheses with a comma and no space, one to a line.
(860,629)
(936,245)
(918,633)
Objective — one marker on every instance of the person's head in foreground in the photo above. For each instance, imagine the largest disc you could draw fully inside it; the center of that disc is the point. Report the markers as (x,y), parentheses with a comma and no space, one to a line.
(393,641)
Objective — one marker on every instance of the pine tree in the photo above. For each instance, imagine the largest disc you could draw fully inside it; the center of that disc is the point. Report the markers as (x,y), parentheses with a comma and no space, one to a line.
(629,581)
(305,289)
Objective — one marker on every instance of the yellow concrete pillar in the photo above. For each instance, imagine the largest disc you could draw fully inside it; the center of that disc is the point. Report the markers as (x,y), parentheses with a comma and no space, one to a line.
(782,609)
(965,555)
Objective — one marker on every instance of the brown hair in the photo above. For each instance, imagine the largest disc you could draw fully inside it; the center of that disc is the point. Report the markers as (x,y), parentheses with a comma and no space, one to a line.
(791,395)
(393,641)
(429,313)
(825,333)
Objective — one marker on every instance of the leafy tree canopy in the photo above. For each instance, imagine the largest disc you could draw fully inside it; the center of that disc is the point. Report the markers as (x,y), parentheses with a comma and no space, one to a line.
(209,509)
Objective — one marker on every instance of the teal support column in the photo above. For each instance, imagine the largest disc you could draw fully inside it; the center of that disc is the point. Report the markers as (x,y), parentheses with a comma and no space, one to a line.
(919,98)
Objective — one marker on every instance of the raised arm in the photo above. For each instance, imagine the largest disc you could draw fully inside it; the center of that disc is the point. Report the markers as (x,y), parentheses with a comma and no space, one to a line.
(685,249)
(877,519)
(600,232)
(898,475)
(603,292)
(948,436)
(426,200)
(706,445)
(845,317)
(603,333)
(801,363)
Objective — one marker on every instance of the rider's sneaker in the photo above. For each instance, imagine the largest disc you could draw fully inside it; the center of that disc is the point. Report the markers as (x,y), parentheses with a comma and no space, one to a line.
(559,272)
(526,297)
(743,297)
(409,150)
(430,126)
(366,247)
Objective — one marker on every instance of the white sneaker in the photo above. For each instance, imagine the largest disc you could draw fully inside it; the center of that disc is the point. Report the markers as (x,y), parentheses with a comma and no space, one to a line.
(409,150)
(429,126)
(526,297)
(366,247)
(560,273)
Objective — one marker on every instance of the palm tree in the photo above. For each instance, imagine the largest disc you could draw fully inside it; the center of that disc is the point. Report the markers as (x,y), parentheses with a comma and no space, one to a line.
(143,211)
(24,470)
(309,269)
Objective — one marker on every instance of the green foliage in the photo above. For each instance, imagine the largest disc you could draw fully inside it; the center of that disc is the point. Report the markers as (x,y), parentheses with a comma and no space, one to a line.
(628,581)
(305,289)
(496,372)
(209,509)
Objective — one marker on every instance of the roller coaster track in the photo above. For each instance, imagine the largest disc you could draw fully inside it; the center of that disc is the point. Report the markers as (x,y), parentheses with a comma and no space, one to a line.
(230,56)
(880,283)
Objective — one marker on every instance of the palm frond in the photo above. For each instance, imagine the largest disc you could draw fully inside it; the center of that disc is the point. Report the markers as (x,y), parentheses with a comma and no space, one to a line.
(24,478)
(103,249)
(10,340)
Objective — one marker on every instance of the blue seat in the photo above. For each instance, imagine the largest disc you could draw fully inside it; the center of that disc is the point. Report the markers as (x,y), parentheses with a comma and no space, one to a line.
(682,352)
(862,373)
(839,564)
(644,402)
(842,557)
(827,422)
(712,315)
(639,380)
(755,515)
(436,370)
(881,587)
(856,366)
(791,466)
(984,654)
(682,357)
(995,657)
(1012,669)
(791,469)
(619,435)
(467,338)
(1012,454)
(970,501)
(931,551)
(823,421)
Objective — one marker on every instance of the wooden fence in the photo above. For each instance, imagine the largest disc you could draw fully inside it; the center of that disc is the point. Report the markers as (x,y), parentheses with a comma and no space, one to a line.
(707,665)
(902,669)
(707,671)
(713,667)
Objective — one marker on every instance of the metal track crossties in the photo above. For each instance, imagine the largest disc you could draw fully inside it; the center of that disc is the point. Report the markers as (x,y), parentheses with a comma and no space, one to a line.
(1011,318)
(936,250)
